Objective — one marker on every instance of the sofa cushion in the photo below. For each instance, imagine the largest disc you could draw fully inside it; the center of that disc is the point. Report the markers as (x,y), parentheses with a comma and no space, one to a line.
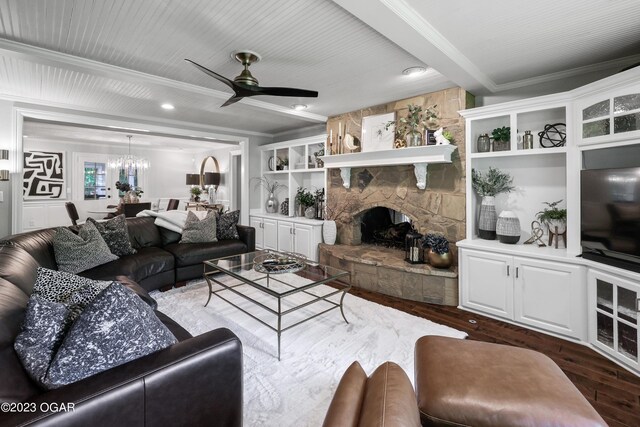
(188,254)
(344,409)
(16,386)
(76,253)
(75,292)
(45,325)
(198,230)
(143,232)
(115,234)
(38,244)
(116,328)
(226,225)
(18,267)
(147,262)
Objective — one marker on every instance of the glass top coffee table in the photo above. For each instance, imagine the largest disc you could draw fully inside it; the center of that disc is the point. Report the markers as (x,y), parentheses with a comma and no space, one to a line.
(280,284)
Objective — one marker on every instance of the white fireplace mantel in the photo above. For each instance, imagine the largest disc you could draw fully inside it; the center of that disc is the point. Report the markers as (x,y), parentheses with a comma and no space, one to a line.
(419,157)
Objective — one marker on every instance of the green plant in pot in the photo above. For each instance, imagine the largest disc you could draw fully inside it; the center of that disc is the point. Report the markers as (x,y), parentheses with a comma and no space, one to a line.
(305,200)
(413,125)
(487,186)
(195,193)
(501,138)
(553,217)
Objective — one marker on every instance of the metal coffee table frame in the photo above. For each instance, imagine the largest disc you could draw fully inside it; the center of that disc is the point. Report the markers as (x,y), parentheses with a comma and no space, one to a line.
(279,296)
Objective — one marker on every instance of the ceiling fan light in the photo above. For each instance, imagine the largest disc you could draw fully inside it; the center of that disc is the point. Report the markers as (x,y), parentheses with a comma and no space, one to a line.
(299,107)
(414,71)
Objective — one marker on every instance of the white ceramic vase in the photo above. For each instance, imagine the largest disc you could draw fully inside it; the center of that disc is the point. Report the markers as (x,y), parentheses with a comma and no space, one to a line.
(329,231)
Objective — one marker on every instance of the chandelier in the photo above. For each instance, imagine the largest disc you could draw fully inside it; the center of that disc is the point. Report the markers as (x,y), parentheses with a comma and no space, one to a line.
(129,163)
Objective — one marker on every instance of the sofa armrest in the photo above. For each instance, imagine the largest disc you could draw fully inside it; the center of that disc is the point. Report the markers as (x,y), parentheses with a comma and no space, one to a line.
(193,382)
(248,236)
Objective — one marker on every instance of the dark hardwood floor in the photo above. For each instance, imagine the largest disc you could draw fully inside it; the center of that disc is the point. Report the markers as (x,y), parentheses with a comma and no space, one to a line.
(613,391)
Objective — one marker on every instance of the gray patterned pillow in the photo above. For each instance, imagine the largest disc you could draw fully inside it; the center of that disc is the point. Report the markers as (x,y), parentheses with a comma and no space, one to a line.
(226,226)
(74,291)
(76,253)
(116,328)
(43,329)
(197,230)
(116,234)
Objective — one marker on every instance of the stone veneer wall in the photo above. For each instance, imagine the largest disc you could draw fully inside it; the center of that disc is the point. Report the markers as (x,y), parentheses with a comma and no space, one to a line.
(439,208)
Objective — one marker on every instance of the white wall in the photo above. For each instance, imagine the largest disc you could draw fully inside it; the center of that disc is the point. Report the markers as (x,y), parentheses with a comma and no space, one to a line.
(5,186)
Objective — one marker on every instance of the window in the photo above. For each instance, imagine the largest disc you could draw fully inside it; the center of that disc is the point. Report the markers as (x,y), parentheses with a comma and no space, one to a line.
(95,180)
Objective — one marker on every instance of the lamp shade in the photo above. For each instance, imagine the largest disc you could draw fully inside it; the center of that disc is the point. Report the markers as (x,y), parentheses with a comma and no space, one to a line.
(211,178)
(193,179)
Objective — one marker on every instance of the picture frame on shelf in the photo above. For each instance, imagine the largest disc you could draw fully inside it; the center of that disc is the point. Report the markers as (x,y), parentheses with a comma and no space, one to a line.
(374,135)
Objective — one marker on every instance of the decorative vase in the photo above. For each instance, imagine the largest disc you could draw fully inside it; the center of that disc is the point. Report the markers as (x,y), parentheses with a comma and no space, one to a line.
(414,139)
(439,260)
(133,197)
(284,207)
(329,231)
(484,143)
(310,212)
(508,227)
(271,205)
(300,210)
(127,197)
(488,218)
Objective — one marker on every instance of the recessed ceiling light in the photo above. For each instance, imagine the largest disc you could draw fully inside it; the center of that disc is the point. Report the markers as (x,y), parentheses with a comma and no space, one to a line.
(25,136)
(299,107)
(413,71)
(167,106)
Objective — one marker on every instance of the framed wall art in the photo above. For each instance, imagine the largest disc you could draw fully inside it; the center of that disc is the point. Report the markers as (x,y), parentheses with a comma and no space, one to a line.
(374,135)
(43,175)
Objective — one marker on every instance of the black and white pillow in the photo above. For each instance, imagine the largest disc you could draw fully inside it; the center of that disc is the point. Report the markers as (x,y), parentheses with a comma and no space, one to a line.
(116,328)
(198,230)
(43,329)
(116,234)
(74,291)
(76,253)
(226,225)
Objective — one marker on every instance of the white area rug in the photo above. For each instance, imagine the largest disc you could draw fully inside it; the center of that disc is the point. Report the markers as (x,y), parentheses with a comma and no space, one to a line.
(297,390)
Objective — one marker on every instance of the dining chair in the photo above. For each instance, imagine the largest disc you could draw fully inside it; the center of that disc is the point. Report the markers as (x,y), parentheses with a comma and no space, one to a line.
(132,209)
(72,212)
(173,204)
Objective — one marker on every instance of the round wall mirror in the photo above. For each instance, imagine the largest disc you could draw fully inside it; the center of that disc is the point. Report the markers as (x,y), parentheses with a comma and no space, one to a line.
(208,168)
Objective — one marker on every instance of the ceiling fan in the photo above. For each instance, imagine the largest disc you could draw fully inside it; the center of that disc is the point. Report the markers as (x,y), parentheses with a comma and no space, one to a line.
(246,85)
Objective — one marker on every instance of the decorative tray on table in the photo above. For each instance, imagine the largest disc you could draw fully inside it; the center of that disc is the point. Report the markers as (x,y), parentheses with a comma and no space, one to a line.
(278,263)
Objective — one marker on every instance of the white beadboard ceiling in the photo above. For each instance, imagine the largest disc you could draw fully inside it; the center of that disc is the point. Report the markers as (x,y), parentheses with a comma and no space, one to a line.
(126,57)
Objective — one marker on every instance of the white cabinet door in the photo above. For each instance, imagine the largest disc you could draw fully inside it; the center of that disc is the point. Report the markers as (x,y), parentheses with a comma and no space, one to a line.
(285,236)
(486,282)
(270,231)
(303,241)
(256,223)
(551,296)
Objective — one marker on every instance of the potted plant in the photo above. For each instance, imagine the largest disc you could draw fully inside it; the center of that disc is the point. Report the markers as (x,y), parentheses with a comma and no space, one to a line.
(501,138)
(553,217)
(195,193)
(409,127)
(304,199)
(285,164)
(438,253)
(271,204)
(317,155)
(488,186)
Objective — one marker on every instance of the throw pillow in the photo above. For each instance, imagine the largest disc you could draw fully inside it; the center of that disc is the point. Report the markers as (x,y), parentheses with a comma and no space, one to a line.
(74,291)
(116,234)
(76,253)
(199,230)
(43,329)
(226,225)
(116,328)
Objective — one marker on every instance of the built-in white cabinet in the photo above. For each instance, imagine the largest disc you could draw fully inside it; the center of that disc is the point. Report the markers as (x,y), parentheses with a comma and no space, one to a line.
(266,232)
(285,234)
(614,305)
(525,290)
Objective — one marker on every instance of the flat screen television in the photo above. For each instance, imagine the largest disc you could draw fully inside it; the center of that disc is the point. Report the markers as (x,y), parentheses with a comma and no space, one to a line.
(610,216)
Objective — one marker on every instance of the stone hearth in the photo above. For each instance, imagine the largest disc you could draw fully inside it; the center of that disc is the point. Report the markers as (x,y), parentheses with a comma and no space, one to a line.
(384,270)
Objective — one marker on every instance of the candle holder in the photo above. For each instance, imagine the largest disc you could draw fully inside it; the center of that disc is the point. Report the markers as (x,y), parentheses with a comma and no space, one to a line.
(413,248)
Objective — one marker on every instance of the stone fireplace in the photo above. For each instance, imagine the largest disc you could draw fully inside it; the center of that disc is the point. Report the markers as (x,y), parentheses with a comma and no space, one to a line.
(392,190)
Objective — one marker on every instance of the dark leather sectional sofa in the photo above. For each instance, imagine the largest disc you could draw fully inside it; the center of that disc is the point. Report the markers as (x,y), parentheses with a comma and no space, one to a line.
(197,381)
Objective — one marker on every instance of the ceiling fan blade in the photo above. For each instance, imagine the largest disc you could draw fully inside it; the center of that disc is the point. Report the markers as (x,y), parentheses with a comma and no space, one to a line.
(285,91)
(232,100)
(213,74)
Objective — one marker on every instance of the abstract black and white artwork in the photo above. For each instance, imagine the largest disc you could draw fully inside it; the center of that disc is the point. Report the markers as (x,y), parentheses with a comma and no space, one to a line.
(43,175)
